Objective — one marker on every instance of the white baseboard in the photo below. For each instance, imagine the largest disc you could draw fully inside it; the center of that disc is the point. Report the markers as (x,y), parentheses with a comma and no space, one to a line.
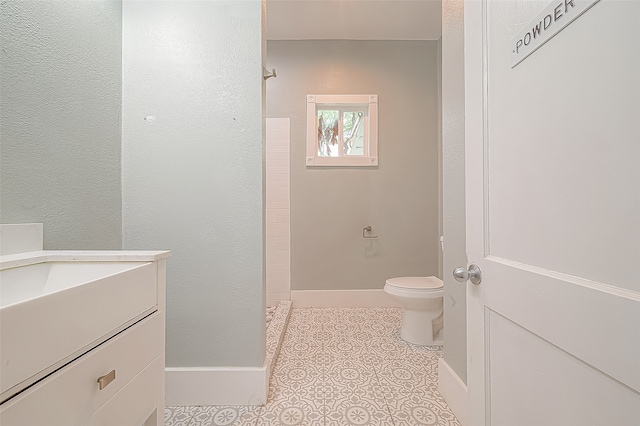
(373,298)
(454,391)
(273,298)
(217,385)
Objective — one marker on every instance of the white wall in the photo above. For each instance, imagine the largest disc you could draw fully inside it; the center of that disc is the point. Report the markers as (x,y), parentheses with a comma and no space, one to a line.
(399,198)
(455,316)
(277,211)
(193,170)
(60,76)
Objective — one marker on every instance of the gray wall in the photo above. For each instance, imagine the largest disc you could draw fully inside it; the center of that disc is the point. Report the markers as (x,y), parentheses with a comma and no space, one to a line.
(60,76)
(193,174)
(440,226)
(455,316)
(399,199)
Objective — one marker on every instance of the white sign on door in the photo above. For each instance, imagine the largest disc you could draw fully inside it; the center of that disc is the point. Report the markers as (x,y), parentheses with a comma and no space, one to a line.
(553,19)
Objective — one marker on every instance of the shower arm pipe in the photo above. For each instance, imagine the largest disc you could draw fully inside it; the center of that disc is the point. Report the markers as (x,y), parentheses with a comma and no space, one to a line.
(370,237)
(266,74)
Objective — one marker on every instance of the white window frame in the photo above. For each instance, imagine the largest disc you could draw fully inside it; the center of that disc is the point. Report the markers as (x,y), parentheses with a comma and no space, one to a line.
(367,102)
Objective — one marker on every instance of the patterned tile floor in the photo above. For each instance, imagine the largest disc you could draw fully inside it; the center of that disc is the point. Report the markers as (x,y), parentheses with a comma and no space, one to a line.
(271,310)
(341,367)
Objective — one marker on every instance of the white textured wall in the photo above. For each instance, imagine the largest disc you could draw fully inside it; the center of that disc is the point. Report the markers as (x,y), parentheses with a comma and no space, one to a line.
(193,174)
(60,76)
(399,199)
(455,298)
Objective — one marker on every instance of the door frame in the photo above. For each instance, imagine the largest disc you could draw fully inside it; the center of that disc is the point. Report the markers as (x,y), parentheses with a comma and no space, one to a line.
(475,133)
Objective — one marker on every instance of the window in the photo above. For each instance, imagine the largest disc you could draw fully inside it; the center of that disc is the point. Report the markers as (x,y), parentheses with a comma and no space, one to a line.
(342,130)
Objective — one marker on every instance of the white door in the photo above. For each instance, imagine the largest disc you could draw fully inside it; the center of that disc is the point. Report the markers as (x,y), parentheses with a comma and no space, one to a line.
(553,216)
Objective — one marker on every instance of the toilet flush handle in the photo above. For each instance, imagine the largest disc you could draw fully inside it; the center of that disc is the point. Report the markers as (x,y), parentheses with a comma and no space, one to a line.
(473,274)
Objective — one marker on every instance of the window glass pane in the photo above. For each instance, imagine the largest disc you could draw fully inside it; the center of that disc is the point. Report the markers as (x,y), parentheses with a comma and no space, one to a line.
(328,137)
(353,136)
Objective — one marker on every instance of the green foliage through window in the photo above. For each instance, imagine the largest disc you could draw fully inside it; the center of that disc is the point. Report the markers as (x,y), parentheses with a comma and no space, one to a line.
(331,137)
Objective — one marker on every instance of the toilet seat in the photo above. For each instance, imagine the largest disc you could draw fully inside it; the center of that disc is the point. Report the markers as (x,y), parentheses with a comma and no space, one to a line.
(417,284)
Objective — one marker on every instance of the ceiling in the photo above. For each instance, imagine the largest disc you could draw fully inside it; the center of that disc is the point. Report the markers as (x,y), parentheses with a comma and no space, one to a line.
(354,19)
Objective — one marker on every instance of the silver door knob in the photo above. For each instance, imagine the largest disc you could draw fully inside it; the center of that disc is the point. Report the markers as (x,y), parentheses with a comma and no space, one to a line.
(473,274)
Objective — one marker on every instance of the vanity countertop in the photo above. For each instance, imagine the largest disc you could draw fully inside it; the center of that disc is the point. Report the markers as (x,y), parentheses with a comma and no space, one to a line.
(30,258)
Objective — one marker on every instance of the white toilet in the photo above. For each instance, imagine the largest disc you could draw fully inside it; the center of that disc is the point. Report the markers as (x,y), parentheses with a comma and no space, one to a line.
(421,298)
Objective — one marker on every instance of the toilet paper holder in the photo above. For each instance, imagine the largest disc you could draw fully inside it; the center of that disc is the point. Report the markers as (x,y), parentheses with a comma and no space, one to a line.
(370,237)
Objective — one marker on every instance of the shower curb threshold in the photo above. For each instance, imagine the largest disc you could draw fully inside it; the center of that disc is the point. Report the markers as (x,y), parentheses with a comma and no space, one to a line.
(275,332)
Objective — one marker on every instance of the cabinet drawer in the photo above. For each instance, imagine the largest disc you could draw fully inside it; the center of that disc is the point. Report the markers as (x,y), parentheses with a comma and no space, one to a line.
(135,402)
(71,395)
(61,326)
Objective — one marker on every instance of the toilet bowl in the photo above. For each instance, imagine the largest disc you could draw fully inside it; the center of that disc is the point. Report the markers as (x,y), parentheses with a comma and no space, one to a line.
(421,298)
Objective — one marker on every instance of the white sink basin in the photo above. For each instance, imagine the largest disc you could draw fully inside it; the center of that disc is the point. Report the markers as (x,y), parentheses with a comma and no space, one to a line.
(24,283)
(52,312)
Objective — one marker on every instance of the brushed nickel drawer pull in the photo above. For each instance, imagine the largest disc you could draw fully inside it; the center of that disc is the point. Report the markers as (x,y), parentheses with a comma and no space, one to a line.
(104,381)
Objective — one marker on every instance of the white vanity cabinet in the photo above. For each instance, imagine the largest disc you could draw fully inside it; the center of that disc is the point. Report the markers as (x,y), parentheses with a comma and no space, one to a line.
(117,379)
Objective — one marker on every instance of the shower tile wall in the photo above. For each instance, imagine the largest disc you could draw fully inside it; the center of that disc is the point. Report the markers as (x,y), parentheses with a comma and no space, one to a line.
(277,211)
